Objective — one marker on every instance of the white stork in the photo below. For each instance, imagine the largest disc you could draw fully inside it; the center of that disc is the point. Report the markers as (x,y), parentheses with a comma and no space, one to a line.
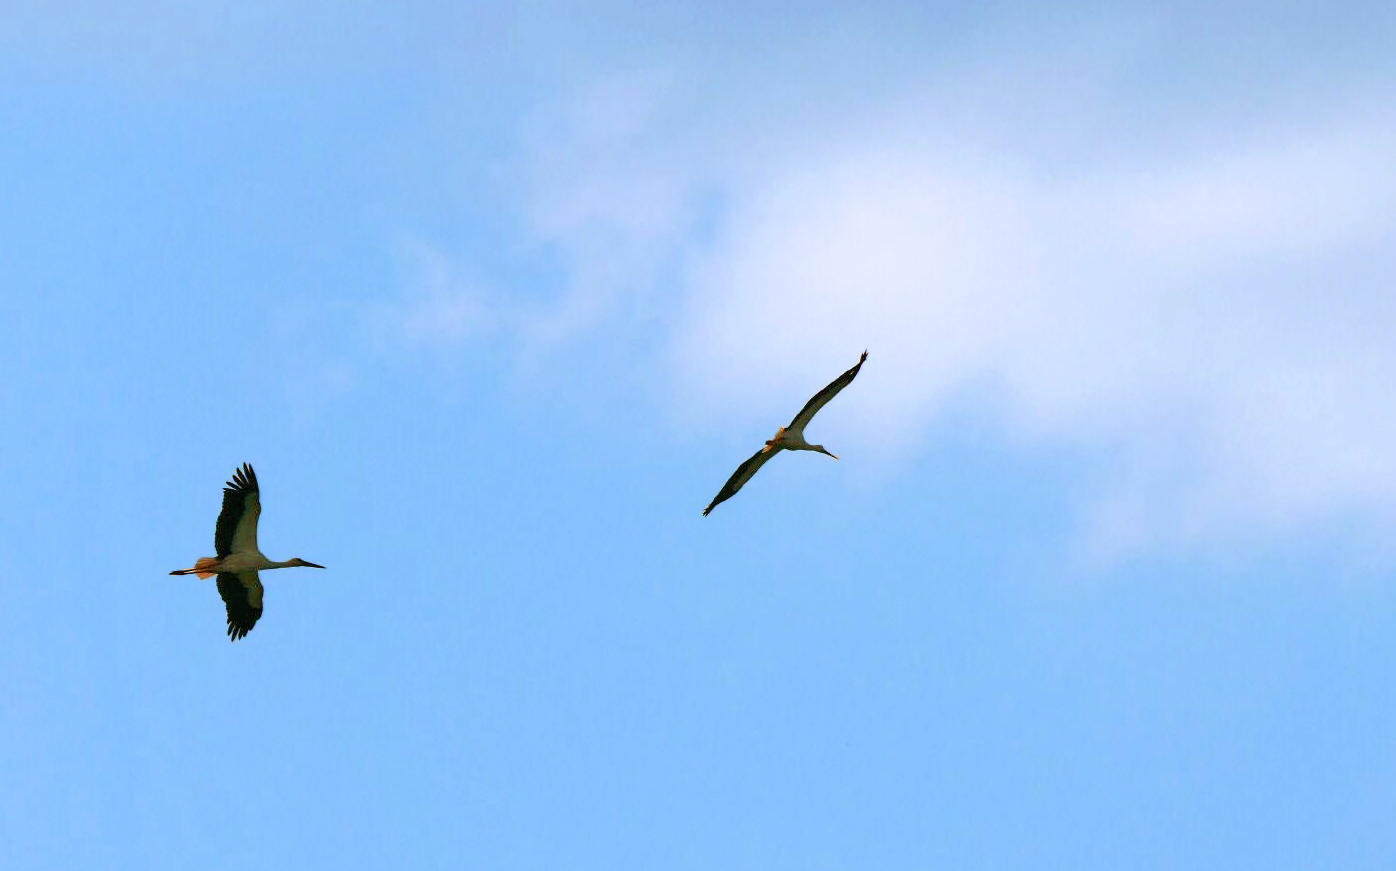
(238,559)
(790,438)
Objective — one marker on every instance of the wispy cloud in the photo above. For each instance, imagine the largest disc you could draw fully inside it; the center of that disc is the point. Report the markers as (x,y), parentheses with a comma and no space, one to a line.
(441,307)
(609,191)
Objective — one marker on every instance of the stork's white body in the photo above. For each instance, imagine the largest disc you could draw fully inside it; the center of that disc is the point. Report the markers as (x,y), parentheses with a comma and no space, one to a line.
(793,440)
(253,561)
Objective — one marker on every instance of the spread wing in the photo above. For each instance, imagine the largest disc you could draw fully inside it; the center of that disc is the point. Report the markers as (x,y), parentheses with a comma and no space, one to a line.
(820,399)
(237,522)
(742,475)
(242,593)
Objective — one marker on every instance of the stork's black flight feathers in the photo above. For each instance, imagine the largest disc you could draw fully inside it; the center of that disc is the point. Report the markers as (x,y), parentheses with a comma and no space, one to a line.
(820,399)
(242,594)
(240,503)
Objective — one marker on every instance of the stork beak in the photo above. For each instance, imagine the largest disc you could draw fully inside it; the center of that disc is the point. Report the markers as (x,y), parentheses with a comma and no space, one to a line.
(832,455)
(310,565)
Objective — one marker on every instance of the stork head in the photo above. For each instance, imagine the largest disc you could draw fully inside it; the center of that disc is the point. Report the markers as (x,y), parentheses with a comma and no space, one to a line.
(297,561)
(820,448)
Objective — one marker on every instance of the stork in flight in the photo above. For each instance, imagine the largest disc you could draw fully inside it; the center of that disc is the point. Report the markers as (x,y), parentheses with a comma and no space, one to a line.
(238,559)
(790,438)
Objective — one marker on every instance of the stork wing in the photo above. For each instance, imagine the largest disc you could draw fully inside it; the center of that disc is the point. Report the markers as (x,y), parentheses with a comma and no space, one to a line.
(242,593)
(237,522)
(820,399)
(742,475)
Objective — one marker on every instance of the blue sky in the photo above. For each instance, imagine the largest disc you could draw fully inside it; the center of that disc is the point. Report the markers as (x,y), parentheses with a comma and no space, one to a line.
(495,299)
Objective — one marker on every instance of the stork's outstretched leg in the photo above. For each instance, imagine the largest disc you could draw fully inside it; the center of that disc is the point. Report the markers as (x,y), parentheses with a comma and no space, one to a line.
(204,567)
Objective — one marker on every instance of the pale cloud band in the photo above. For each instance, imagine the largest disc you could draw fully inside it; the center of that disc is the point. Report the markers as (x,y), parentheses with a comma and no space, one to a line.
(1208,316)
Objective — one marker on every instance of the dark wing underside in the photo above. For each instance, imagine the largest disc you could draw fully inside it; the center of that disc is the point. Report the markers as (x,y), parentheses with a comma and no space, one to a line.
(818,400)
(242,593)
(238,497)
(743,474)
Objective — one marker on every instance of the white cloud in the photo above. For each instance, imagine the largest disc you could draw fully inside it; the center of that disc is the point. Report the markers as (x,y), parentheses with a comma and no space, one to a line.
(1221,331)
(1211,320)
